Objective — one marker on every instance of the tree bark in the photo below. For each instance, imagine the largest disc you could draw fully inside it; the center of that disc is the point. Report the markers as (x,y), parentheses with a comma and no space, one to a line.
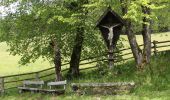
(76,54)
(137,52)
(146,33)
(75,57)
(57,60)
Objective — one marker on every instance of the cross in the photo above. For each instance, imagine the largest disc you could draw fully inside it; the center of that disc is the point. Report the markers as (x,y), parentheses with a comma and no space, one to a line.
(110,35)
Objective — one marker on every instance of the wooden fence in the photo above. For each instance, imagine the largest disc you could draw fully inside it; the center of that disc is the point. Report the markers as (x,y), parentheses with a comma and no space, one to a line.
(13,81)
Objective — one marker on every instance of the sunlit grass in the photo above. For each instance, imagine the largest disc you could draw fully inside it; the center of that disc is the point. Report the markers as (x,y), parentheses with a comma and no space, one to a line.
(9,64)
(157,37)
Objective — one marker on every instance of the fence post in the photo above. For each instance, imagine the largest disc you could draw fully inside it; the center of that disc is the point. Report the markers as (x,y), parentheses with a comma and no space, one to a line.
(155,46)
(2,85)
(37,76)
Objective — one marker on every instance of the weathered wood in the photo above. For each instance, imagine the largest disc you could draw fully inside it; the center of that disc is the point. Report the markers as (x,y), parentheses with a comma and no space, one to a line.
(27,83)
(155,46)
(37,76)
(32,89)
(61,83)
(38,90)
(57,83)
(110,57)
(33,82)
(2,90)
(29,88)
(103,84)
(103,88)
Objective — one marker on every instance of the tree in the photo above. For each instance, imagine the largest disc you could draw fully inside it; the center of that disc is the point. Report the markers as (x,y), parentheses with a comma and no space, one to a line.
(131,11)
(57,59)
(76,53)
(146,33)
(48,30)
(36,30)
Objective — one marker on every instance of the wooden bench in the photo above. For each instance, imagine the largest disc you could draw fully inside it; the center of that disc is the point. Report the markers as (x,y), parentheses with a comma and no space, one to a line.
(33,86)
(51,85)
(28,86)
(103,88)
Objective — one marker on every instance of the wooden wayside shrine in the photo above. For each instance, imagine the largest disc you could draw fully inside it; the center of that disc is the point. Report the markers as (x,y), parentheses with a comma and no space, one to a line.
(110,24)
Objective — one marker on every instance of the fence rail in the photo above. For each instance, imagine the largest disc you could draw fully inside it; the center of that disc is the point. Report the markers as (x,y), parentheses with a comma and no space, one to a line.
(5,81)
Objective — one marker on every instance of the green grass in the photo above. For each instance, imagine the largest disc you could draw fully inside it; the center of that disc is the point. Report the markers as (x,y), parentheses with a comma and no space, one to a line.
(150,96)
(11,62)
(153,83)
(157,36)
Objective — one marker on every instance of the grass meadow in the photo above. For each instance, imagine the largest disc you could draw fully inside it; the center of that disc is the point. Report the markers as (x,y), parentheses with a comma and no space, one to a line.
(9,63)
(152,83)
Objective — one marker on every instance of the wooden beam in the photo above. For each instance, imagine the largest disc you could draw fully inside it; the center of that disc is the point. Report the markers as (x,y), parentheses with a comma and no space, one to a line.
(103,84)
(57,83)
(33,82)
(2,90)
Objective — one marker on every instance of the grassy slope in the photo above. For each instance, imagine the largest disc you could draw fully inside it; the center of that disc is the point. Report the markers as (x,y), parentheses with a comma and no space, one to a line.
(9,64)
(8,61)
(152,84)
(158,37)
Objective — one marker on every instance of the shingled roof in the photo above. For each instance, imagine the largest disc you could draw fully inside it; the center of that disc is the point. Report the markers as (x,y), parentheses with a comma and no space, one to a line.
(114,16)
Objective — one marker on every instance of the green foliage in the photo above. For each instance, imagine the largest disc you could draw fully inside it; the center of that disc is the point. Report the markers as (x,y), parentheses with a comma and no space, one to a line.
(135,14)
(29,30)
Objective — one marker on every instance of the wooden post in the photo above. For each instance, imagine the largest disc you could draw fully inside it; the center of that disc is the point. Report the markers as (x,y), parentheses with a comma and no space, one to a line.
(155,46)
(37,76)
(110,58)
(2,85)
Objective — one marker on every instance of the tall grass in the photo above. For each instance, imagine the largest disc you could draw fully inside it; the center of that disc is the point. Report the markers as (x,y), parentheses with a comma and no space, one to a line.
(151,83)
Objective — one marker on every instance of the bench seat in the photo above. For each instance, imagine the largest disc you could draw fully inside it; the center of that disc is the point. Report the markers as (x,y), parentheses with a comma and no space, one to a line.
(27,86)
(38,90)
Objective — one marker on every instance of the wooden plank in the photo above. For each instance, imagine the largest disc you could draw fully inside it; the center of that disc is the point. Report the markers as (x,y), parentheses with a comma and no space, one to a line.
(37,76)
(53,90)
(33,82)
(2,85)
(103,84)
(103,88)
(38,89)
(28,88)
(22,89)
(57,83)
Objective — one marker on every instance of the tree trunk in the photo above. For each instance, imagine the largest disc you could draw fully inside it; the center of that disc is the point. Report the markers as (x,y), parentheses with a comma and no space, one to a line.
(137,52)
(146,33)
(75,57)
(76,54)
(57,60)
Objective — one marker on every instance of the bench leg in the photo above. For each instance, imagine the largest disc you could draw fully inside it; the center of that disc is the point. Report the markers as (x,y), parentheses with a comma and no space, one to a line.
(32,92)
(20,91)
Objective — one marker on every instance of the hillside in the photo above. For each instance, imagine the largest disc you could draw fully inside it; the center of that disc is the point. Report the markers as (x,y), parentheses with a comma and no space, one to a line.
(9,61)
(152,83)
